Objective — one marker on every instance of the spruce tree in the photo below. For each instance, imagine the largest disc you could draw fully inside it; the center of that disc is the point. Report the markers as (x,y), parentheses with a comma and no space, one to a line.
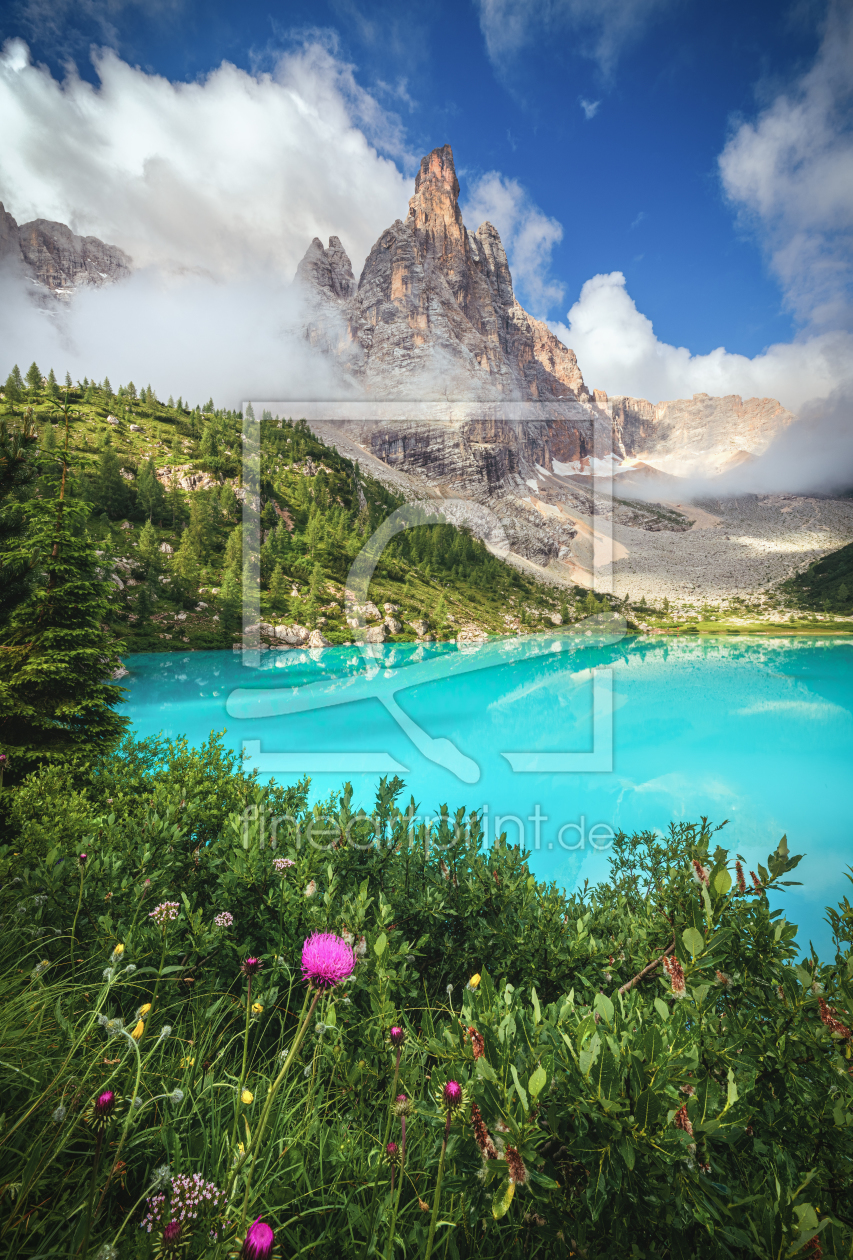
(149,551)
(12,390)
(231,602)
(152,497)
(52,387)
(107,387)
(56,698)
(110,488)
(186,562)
(279,587)
(69,384)
(33,377)
(17,474)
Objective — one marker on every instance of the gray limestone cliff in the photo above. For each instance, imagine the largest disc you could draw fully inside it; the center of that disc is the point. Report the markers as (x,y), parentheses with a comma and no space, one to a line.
(57,260)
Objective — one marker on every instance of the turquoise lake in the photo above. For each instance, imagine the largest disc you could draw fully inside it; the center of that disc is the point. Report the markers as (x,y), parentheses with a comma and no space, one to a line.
(560,740)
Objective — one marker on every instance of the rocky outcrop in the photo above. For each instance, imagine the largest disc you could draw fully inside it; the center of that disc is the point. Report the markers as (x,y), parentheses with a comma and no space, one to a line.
(57,260)
(700,435)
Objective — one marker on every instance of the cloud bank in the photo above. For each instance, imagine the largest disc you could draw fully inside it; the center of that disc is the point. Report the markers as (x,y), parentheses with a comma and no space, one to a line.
(618,351)
(790,175)
(231,175)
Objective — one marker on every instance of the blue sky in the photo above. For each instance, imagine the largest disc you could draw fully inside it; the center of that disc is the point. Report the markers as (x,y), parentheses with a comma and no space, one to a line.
(595,129)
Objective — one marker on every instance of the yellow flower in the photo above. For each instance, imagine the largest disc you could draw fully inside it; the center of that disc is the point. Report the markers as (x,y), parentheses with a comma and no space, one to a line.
(185,1063)
(138,1030)
(474,981)
(118,951)
(143,1010)
(257,1008)
(247,1097)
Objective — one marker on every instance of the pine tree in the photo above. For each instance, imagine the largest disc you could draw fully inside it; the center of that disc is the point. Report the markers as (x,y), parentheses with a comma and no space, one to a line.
(233,559)
(17,473)
(33,377)
(278,589)
(12,389)
(186,562)
(110,488)
(149,551)
(150,493)
(231,602)
(440,615)
(69,384)
(131,390)
(174,499)
(56,698)
(49,440)
(52,387)
(107,387)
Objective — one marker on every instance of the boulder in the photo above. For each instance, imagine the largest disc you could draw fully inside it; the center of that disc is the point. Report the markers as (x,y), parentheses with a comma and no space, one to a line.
(471,634)
(394,626)
(294,634)
(318,640)
(113,420)
(376,634)
(167,548)
(391,609)
(353,622)
(125,525)
(368,611)
(135,428)
(555,619)
(420,627)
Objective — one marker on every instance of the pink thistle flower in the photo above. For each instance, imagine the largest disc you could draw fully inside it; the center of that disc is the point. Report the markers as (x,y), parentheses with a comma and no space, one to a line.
(102,1109)
(392,1153)
(397,1036)
(681,1120)
(259,1241)
(402,1105)
(326,960)
(251,966)
(518,1174)
(701,874)
(83,859)
(452,1095)
(675,971)
(172,1236)
(741,879)
(828,1017)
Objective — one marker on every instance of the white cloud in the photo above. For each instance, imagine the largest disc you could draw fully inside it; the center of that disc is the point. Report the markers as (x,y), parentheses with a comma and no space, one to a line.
(590,108)
(791,174)
(231,175)
(618,351)
(601,28)
(527,233)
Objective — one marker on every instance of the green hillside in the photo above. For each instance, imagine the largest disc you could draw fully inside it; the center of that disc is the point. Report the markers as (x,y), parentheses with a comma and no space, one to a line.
(161,483)
(826,585)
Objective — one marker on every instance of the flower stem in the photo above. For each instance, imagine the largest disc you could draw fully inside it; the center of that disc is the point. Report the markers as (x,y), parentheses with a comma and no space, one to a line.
(438,1182)
(262,1123)
(390,1249)
(243,1068)
(382,1149)
(84,1246)
(74,924)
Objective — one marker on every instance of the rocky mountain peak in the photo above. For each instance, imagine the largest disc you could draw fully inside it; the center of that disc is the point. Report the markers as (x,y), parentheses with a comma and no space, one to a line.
(328,271)
(56,259)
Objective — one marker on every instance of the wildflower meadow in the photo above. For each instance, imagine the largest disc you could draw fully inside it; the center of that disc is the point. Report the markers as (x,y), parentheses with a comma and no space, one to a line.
(222,1036)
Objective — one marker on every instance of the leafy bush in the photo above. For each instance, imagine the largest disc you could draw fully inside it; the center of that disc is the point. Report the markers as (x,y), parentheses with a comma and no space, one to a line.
(646,1067)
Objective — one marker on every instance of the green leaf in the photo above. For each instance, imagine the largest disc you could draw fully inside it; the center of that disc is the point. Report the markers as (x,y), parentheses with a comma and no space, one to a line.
(722,882)
(694,941)
(647,1109)
(331,1018)
(537,1014)
(522,1093)
(502,1199)
(604,1006)
(709,913)
(661,1008)
(731,1093)
(380,945)
(626,1150)
(484,1070)
(537,1081)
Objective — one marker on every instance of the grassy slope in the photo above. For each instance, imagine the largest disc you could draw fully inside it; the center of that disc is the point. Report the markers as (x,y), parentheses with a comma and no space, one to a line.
(477,589)
(825,585)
